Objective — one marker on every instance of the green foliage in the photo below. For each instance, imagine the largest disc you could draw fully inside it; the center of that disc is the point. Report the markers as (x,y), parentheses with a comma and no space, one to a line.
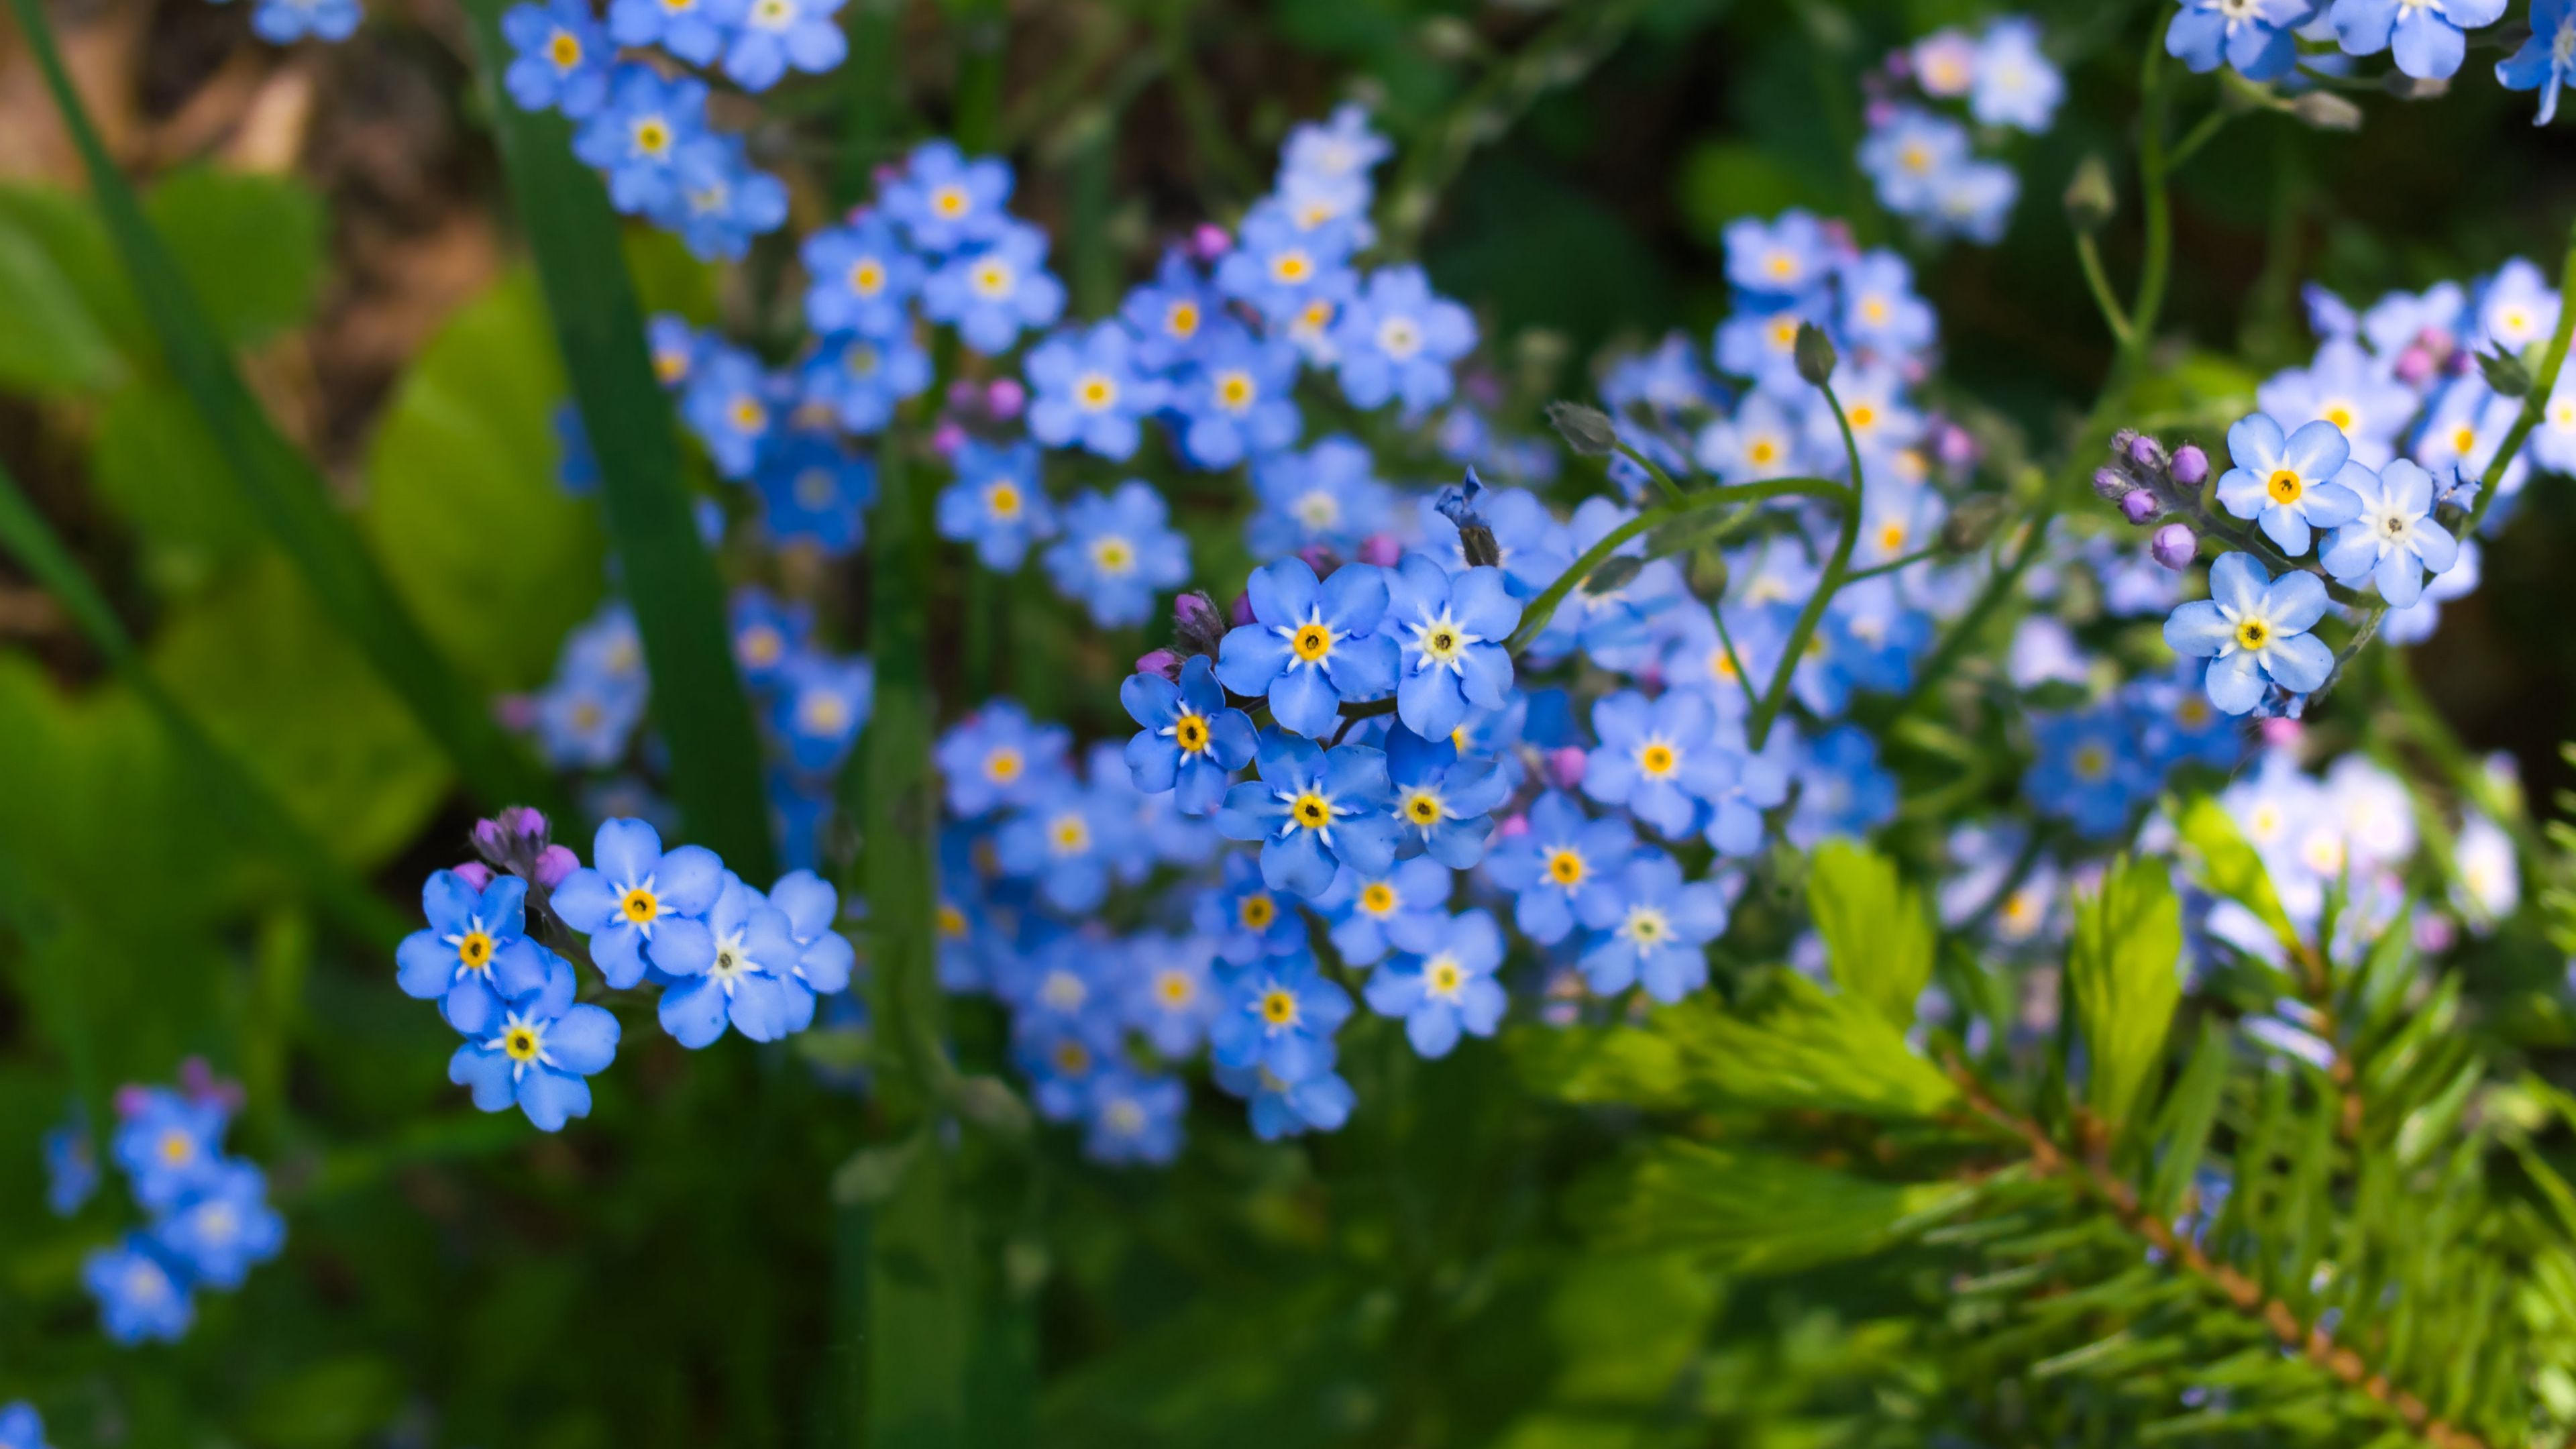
(1763,1212)
(2125,967)
(2226,866)
(1878,938)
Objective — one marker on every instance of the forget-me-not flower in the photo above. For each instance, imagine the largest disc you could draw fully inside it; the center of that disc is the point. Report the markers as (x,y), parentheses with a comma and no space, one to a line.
(225,1229)
(822,704)
(1652,929)
(1659,759)
(1441,797)
(990,293)
(538,1054)
(637,136)
(2394,539)
(860,278)
(1443,982)
(2255,36)
(944,200)
(769,36)
(813,489)
(560,59)
(475,954)
(2089,769)
(1396,341)
(1361,909)
(685,28)
(1312,810)
(824,957)
(2016,85)
(1280,1015)
(1190,741)
(1118,551)
(2547,61)
(2252,628)
(998,757)
(1235,396)
(139,1297)
(2290,484)
(1068,839)
(1449,633)
(1088,393)
(1313,645)
(996,503)
(2424,37)
(740,969)
(635,897)
(1558,865)
(1327,495)
(862,378)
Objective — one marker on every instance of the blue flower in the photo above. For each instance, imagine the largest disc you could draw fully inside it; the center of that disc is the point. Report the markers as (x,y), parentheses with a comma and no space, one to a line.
(2178,725)
(1881,309)
(1243,915)
(862,378)
(825,958)
(1652,928)
(1659,759)
(1443,983)
(2516,308)
(1974,199)
(1909,156)
(821,706)
(2252,627)
(1312,646)
(677,348)
(21,1427)
(2545,61)
(1362,910)
(1342,149)
(283,22)
(1167,991)
(1762,345)
(1760,782)
(766,633)
(2349,388)
(169,1146)
(1668,380)
(1441,799)
(1396,341)
(2394,539)
(944,201)
(1190,742)
(1235,396)
(1087,392)
(224,1230)
(1168,314)
(475,954)
(2252,35)
(539,1052)
(1780,261)
(741,969)
(1117,553)
(2089,769)
(1133,1118)
(768,36)
(685,28)
(638,135)
(728,405)
(1615,625)
(71,1172)
(2291,485)
(1278,1014)
(1557,864)
(1449,634)
(1280,1108)
(993,291)
(813,489)
(633,897)
(1068,839)
(1534,544)
(2425,35)
(559,58)
(996,502)
(139,1297)
(861,278)
(722,201)
(2016,84)
(1328,495)
(999,757)
(1842,788)
(1280,269)
(1313,810)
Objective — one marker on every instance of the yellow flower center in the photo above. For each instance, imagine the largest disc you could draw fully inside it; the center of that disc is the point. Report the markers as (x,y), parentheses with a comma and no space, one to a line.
(1182,320)
(2285,486)
(2463,438)
(1257,911)
(1862,416)
(1279,1008)
(1190,732)
(1657,759)
(748,415)
(1311,810)
(760,646)
(1072,1058)
(1892,537)
(1377,898)
(1071,834)
(1095,391)
(950,201)
(1312,642)
(1444,976)
(1002,500)
(2252,634)
(639,906)
(1762,452)
(1113,555)
(1002,765)
(474,951)
(177,1146)
(564,49)
(670,365)
(1175,988)
(1422,808)
(2339,414)
(952,921)
(1720,665)
(867,276)
(1565,867)
(520,1043)
(993,279)
(1291,267)
(652,136)
(2092,762)
(1234,391)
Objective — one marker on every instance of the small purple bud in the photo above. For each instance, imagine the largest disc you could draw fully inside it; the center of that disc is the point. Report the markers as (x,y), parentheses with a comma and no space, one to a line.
(2146,452)
(526,822)
(2138,506)
(2190,465)
(132,1098)
(1565,764)
(2415,366)
(1165,662)
(946,438)
(491,841)
(1241,613)
(2174,546)
(1956,446)
(1381,549)
(1195,613)
(961,394)
(1210,241)
(1006,397)
(1320,558)
(554,863)
(2111,483)
(515,712)
(2283,734)
(475,873)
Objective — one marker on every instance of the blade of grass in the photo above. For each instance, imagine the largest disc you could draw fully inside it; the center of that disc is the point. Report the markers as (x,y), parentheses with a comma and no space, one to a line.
(228,784)
(280,485)
(671,582)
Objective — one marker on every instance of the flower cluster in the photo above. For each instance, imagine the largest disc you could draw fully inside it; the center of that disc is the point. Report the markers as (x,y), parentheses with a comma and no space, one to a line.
(2425,39)
(210,1219)
(722,953)
(1924,162)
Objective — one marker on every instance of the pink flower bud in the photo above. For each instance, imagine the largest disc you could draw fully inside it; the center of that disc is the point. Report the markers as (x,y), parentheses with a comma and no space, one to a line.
(2435,934)
(1565,766)
(1164,662)
(515,711)
(132,1098)
(2415,366)
(2138,505)
(1512,825)
(1320,558)
(1006,397)
(2190,465)
(474,873)
(554,863)
(945,438)
(961,394)
(1381,549)
(2283,734)
(1242,609)
(1210,241)
(2174,546)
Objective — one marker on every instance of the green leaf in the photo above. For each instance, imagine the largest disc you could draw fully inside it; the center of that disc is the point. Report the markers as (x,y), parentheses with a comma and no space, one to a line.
(1803,1047)
(1614,574)
(336,1402)
(1878,937)
(2125,967)
(703,714)
(464,460)
(1753,1211)
(250,246)
(2225,865)
(49,340)
(282,488)
(152,460)
(2182,1132)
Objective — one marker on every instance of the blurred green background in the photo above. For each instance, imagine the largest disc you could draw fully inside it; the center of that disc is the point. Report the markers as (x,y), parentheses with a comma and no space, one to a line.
(674,1271)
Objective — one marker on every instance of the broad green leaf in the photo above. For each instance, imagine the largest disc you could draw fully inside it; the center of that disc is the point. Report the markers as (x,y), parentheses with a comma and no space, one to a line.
(463,506)
(282,488)
(1754,1211)
(1802,1047)
(700,708)
(339,1401)
(152,460)
(49,341)
(1878,937)
(63,222)
(251,247)
(2225,865)
(2125,967)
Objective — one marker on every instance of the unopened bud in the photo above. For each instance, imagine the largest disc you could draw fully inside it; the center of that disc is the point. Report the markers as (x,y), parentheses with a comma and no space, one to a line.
(1196,625)
(1381,549)
(1004,397)
(2190,466)
(554,863)
(475,873)
(2505,372)
(2415,88)
(1972,523)
(2147,453)
(2326,111)
(2111,484)
(2139,506)
(1586,430)
(1814,354)
(1164,662)
(2090,201)
(2174,546)
(1565,765)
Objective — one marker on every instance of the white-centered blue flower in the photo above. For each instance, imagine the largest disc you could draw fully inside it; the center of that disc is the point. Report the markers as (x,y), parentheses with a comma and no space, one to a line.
(2253,627)
(2395,539)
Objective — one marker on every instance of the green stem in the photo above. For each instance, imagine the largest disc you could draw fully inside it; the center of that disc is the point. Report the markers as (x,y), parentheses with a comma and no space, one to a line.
(2199,136)
(1758,728)
(2089,256)
(1672,490)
